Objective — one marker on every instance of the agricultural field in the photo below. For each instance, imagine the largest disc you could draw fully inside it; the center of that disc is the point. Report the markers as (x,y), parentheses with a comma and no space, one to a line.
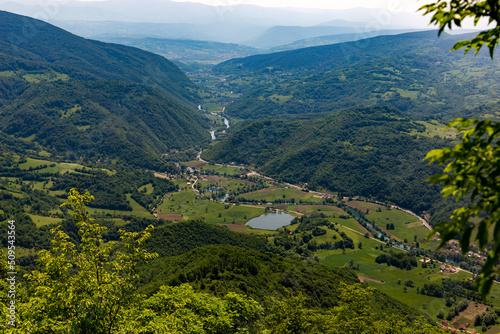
(53,167)
(42,221)
(386,278)
(434,128)
(213,107)
(221,170)
(285,194)
(406,226)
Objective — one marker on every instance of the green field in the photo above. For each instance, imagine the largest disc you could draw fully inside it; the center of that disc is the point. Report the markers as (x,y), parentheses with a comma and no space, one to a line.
(54,167)
(42,221)
(274,193)
(228,170)
(406,226)
(213,107)
(434,128)
(149,188)
(191,206)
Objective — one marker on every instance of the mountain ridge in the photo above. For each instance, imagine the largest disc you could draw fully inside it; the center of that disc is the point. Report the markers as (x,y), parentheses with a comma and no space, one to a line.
(21,34)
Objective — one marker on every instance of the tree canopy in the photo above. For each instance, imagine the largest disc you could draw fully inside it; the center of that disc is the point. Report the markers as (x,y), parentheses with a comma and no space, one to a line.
(447,14)
(472,167)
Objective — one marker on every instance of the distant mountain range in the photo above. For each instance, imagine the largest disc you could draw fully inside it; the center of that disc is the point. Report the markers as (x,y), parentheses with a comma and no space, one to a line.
(228,23)
(282,35)
(78,98)
(334,39)
(168,11)
(188,51)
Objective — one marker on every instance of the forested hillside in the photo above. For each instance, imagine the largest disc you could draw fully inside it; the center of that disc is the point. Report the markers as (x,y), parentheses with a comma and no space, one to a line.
(77,98)
(413,72)
(42,44)
(221,269)
(373,152)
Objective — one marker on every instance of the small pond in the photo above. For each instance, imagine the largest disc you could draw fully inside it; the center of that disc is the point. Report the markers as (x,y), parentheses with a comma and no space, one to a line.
(271,221)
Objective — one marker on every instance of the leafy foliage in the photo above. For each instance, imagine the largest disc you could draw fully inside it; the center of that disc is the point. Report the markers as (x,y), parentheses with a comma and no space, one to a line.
(446,14)
(472,170)
(93,299)
(471,166)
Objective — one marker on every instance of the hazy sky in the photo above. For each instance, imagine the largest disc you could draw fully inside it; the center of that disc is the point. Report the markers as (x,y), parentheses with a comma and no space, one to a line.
(401,5)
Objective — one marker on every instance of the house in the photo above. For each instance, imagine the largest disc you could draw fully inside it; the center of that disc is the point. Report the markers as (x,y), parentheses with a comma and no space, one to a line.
(442,267)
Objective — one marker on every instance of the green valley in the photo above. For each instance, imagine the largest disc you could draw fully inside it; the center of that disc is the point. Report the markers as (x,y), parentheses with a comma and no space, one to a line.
(230,191)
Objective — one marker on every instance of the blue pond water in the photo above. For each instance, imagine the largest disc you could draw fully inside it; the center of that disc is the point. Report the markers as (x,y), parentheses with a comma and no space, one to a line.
(271,221)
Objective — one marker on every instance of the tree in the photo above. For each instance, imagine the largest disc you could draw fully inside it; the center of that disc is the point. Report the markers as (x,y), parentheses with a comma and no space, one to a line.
(449,13)
(80,288)
(289,316)
(478,320)
(90,287)
(472,167)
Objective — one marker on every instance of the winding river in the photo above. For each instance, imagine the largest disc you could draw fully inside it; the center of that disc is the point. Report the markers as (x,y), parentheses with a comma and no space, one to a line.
(226,123)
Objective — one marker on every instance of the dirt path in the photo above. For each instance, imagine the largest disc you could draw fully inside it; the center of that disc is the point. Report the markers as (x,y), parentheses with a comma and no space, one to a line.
(192,186)
(366,278)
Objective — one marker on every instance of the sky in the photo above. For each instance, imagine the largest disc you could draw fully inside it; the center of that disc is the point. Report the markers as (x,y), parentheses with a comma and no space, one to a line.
(399,5)
(381,8)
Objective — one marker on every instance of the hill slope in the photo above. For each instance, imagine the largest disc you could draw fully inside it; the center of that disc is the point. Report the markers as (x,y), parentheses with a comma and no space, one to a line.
(327,57)
(38,41)
(334,39)
(78,98)
(414,72)
(220,269)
